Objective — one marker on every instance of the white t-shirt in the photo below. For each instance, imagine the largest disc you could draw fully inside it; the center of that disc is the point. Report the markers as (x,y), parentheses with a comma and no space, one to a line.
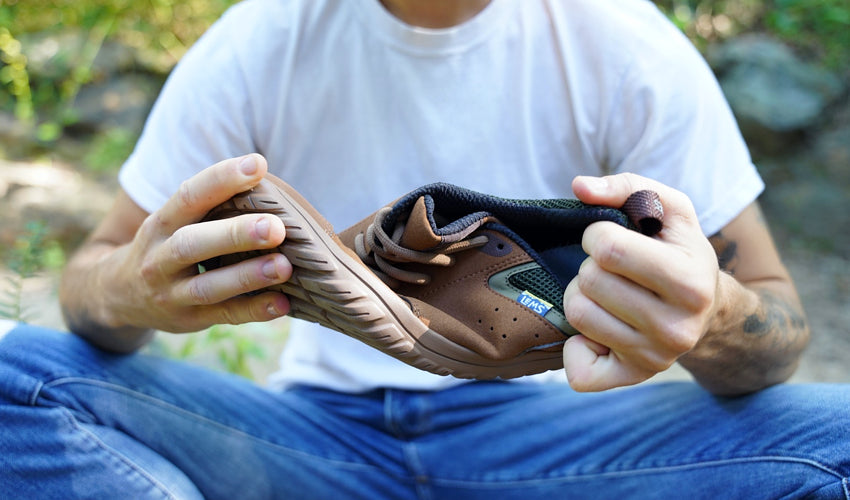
(354,108)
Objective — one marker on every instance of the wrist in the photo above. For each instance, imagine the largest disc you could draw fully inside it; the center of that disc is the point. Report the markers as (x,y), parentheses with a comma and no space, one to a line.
(731,303)
(99,315)
(754,339)
(712,360)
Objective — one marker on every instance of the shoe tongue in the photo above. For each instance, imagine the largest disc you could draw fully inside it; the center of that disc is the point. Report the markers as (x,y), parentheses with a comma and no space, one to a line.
(422,233)
(418,230)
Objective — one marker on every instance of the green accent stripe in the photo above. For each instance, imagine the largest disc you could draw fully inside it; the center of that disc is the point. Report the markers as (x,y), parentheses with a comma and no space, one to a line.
(512,282)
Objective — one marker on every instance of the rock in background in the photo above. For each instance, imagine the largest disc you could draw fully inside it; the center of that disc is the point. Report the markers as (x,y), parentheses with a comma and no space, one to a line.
(64,190)
(776,96)
(795,117)
(93,88)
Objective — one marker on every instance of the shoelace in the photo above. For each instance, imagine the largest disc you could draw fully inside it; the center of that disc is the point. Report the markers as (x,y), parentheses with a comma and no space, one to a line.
(379,251)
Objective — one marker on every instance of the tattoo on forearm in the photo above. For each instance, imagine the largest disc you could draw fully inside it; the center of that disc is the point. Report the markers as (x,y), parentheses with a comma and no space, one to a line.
(727,252)
(780,328)
(764,343)
(774,314)
(777,331)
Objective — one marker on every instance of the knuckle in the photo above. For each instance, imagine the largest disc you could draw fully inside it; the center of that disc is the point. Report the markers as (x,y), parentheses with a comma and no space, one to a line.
(153,226)
(677,338)
(632,181)
(651,365)
(609,251)
(695,297)
(684,202)
(655,366)
(245,278)
(680,345)
(580,379)
(576,313)
(185,194)
(183,248)
(151,223)
(656,363)
(161,300)
(588,276)
(235,230)
(198,291)
(149,270)
(229,316)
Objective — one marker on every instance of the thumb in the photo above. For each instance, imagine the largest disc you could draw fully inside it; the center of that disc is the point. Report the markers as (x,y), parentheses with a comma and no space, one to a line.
(615,190)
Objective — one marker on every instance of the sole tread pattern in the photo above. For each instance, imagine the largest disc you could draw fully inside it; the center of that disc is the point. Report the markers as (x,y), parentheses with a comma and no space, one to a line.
(324,290)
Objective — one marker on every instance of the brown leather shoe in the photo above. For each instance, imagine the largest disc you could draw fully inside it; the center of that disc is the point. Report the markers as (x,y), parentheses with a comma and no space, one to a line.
(445,279)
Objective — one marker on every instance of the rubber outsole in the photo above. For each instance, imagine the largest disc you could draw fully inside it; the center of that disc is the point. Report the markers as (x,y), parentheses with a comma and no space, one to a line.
(332,287)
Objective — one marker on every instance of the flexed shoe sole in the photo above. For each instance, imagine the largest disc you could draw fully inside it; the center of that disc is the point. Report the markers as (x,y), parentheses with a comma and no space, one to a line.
(468,297)
(330,285)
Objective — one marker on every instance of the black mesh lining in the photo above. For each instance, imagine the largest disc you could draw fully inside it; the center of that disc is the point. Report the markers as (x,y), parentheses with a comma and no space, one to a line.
(541,223)
(539,282)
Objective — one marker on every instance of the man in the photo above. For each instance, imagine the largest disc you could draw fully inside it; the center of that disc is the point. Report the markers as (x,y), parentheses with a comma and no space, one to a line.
(354,104)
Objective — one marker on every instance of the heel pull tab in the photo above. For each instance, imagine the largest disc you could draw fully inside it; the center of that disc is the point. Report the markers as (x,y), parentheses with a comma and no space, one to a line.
(645,212)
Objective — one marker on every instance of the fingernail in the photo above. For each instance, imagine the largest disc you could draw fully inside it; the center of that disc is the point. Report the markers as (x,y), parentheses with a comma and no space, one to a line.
(272,310)
(263,229)
(270,270)
(248,165)
(277,307)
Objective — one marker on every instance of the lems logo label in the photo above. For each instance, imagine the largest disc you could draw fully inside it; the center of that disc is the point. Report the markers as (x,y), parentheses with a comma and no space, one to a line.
(534,303)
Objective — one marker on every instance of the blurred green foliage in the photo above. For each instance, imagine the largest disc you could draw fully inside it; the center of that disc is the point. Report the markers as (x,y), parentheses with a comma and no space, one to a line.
(15,76)
(239,349)
(821,28)
(107,151)
(161,30)
(32,253)
(166,26)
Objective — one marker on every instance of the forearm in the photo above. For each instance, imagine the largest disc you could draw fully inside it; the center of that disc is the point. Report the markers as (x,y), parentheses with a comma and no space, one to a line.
(754,340)
(87,297)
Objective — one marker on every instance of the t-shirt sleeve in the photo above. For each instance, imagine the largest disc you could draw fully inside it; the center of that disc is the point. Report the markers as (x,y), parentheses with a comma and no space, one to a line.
(201,117)
(673,124)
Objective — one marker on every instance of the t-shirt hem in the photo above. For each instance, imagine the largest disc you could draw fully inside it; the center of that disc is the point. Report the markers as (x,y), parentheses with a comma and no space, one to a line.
(139,188)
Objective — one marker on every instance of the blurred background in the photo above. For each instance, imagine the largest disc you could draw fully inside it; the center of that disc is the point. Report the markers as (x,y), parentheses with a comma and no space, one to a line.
(77,79)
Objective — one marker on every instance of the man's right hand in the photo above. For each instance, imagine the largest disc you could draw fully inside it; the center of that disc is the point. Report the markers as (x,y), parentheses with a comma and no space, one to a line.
(139,272)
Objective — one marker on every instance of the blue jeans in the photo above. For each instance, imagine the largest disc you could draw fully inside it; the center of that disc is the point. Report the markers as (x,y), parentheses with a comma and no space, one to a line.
(77,422)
